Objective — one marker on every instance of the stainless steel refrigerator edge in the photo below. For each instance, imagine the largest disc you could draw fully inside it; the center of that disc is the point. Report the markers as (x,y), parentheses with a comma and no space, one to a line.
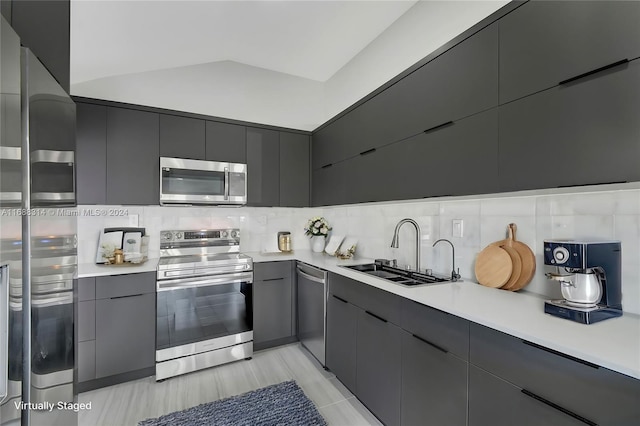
(39,245)
(312,309)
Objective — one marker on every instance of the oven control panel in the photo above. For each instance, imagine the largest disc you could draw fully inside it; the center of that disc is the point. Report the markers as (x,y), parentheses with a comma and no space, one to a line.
(198,236)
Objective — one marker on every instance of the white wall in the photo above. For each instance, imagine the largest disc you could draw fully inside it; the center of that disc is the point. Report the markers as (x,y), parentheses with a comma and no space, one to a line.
(611,212)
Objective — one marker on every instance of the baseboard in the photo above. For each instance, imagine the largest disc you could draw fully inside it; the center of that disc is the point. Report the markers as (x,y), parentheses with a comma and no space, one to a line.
(273,343)
(115,379)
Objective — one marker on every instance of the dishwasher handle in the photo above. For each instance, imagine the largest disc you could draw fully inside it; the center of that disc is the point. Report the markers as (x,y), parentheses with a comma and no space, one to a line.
(309,277)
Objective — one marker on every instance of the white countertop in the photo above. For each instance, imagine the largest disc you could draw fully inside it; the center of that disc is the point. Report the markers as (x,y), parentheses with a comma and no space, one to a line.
(613,343)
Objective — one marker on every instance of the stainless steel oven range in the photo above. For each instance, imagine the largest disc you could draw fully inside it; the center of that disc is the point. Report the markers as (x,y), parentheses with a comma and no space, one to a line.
(204,301)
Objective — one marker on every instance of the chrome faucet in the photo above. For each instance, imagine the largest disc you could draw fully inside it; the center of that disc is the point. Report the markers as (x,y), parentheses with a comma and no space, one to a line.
(455,276)
(396,239)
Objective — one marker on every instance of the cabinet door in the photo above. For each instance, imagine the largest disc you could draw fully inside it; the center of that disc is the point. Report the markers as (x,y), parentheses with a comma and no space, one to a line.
(182,137)
(125,334)
(91,153)
(378,376)
(493,401)
(545,42)
(294,170)
(226,142)
(272,316)
(584,133)
(434,384)
(342,318)
(133,157)
(86,360)
(263,167)
(330,184)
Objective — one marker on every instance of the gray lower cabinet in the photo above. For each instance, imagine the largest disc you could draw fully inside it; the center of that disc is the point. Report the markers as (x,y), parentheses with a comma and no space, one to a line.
(582,133)
(226,142)
(273,303)
(125,334)
(133,154)
(91,153)
(545,42)
(182,137)
(378,366)
(342,318)
(294,170)
(115,329)
(574,387)
(434,384)
(263,167)
(494,401)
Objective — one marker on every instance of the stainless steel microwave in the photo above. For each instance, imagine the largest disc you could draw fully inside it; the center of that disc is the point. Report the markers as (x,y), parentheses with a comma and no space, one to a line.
(184,181)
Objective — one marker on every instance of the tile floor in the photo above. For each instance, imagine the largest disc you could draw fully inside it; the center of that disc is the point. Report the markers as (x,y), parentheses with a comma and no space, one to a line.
(128,403)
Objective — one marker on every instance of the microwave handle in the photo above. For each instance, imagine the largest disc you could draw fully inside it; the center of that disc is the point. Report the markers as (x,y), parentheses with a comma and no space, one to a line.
(226,183)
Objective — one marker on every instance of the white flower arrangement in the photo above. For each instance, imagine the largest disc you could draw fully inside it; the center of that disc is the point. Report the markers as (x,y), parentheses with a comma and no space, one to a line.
(317,227)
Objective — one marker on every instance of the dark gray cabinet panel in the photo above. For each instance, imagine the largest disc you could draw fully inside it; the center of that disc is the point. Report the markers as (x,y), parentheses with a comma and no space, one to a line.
(545,42)
(226,142)
(125,334)
(125,285)
(458,83)
(330,184)
(447,331)
(492,401)
(86,289)
(263,167)
(434,384)
(5,10)
(86,360)
(86,320)
(294,170)
(182,137)
(43,27)
(91,153)
(378,364)
(378,302)
(598,394)
(342,320)
(133,157)
(584,133)
(272,302)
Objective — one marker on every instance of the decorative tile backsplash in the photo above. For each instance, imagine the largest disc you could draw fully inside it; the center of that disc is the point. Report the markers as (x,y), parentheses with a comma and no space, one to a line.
(609,212)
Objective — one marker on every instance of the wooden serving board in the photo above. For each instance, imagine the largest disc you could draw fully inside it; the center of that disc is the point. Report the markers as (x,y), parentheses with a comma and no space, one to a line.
(528,259)
(493,266)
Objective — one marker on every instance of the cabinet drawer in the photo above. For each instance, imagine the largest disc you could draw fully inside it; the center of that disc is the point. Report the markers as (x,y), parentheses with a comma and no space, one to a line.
(443,330)
(86,320)
(598,394)
(265,271)
(86,289)
(373,300)
(125,285)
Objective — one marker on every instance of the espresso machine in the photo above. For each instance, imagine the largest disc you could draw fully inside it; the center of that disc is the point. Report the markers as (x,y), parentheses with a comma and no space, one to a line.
(590,276)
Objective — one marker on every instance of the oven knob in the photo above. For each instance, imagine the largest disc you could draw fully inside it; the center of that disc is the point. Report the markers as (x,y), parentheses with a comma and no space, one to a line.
(178,235)
(560,254)
(224,234)
(235,234)
(167,236)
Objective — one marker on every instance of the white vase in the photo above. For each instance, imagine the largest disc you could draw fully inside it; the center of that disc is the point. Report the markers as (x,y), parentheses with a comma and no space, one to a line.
(317,244)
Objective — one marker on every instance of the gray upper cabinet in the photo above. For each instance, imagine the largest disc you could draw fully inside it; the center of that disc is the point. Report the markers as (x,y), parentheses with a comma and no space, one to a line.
(182,137)
(133,157)
(226,142)
(543,43)
(91,153)
(329,185)
(294,170)
(263,167)
(460,82)
(583,133)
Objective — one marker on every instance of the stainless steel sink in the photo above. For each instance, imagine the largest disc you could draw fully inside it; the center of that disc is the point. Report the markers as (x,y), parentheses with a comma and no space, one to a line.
(398,275)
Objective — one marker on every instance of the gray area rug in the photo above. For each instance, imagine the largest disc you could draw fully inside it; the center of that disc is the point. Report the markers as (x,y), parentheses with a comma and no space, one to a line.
(281,404)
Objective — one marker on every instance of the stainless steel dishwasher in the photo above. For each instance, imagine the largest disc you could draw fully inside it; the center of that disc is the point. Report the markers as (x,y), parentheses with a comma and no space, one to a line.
(312,309)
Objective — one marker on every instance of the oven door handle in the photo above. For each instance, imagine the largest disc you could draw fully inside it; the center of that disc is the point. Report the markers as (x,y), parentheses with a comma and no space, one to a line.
(167,285)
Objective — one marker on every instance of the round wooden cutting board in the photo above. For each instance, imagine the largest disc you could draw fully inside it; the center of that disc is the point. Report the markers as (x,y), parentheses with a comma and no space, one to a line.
(528,260)
(493,266)
(516,260)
